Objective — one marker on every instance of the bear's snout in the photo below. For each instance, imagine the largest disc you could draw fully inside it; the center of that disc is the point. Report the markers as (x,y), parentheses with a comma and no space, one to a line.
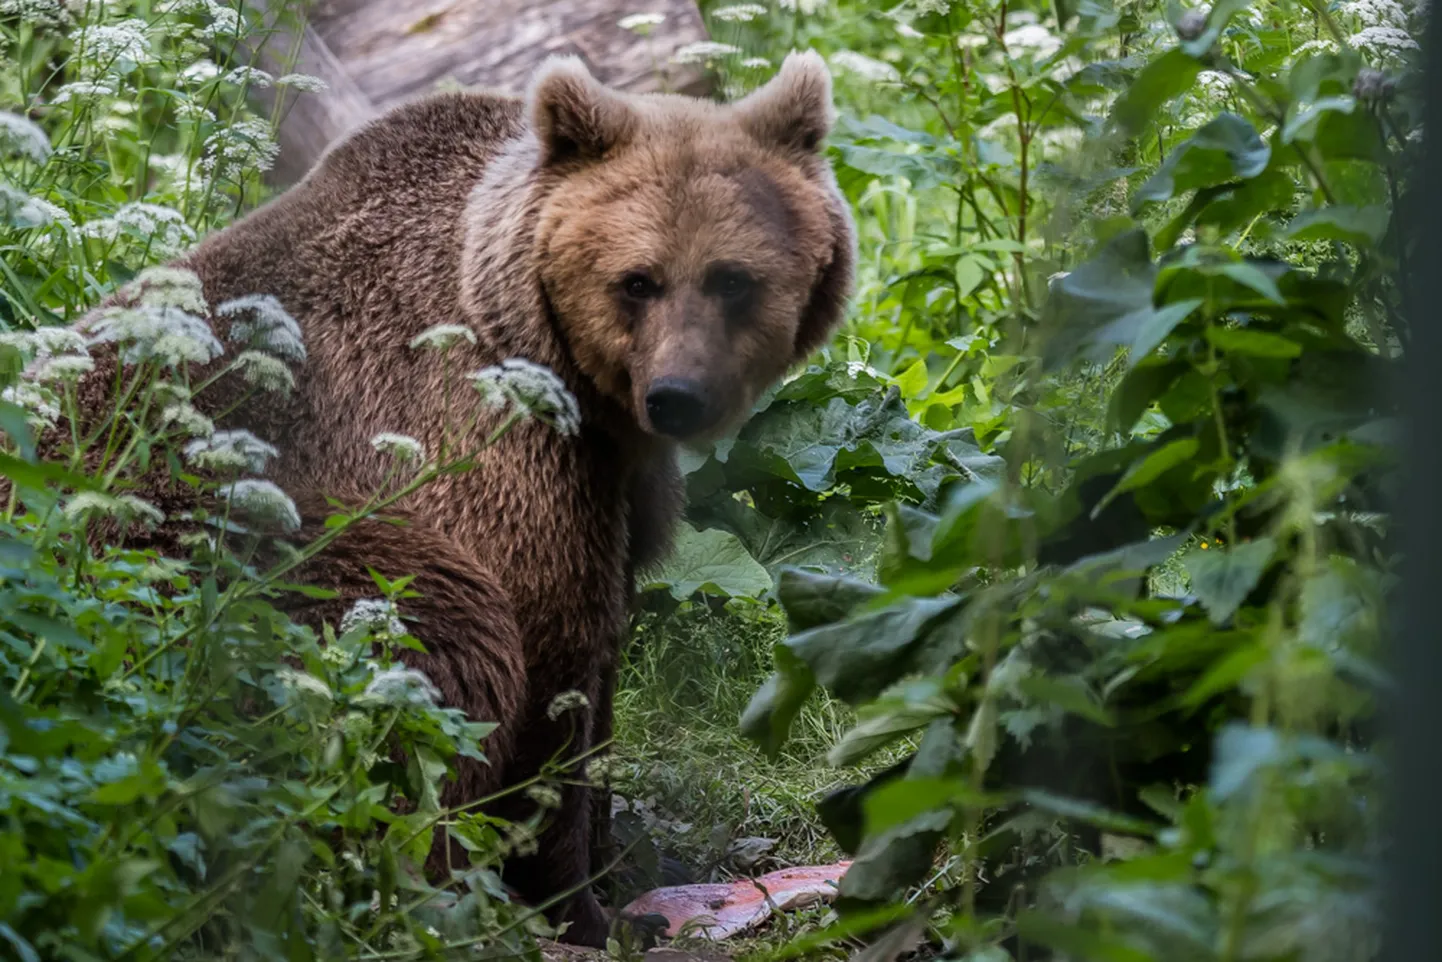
(679,407)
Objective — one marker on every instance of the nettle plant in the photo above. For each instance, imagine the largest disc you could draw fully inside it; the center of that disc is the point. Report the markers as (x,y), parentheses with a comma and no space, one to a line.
(1139,674)
(184,771)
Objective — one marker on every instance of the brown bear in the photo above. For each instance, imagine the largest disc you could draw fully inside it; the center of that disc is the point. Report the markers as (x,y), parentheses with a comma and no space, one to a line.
(667,257)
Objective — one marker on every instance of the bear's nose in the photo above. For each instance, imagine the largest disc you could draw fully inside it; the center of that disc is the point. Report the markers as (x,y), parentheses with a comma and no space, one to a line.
(676,406)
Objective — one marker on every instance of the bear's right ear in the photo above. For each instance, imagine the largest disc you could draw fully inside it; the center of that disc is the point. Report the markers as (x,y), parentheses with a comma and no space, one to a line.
(573,115)
(793,109)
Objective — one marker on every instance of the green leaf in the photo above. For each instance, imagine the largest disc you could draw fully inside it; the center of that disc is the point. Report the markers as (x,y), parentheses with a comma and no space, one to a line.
(815,599)
(1241,340)
(713,562)
(1223,577)
(1304,118)
(1148,469)
(1226,149)
(768,716)
(1115,283)
(1240,753)
(1164,78)
(1068,693)
(904,800)
(1358,226)
(1250,275)
(970,272)
(898,713)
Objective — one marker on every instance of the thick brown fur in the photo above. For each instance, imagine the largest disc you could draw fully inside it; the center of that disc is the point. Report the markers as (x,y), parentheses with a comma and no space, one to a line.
(526,221)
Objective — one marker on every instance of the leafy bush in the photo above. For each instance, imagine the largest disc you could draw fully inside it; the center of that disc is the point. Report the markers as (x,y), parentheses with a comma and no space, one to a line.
(1143,270)
(184,771)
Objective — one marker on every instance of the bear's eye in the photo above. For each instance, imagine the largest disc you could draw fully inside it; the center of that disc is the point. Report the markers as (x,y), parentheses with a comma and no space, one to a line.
(730,284)
(640,286)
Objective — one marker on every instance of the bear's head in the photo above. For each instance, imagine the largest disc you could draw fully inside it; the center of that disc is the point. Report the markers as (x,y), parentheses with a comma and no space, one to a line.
(691,252)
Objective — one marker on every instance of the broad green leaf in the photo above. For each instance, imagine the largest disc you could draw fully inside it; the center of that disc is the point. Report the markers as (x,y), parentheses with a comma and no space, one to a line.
(1239,754)
(915,705)
(1359,226)
(1068,693)
(1167,76)
(1117,282)
(711,561)
(1304,118)
(906,799)
(912,381)
(1241,340)
(1153,466)
(969,274)
(1223,577)
(816,599)
(1226,149)
(1249,275)
(768,716)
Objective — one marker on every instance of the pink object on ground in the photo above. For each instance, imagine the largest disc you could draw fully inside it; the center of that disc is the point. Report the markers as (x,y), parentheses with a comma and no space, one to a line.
(721,910)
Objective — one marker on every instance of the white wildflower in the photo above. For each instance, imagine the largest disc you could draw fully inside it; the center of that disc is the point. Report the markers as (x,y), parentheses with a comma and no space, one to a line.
(442,336)
(200,72)
(598,770)
(126,507)
(755,63)
(399,685)
(185,416)
(641,23)
(402,447)
(23,210)
(704,51)
(807,7)
(1384,42)
(268,327)
(263,501)
(337,656)
(1215,82)
(235,450)
(45,342)
(739,13)
(1032,37)
(301,682)
(166,286)
(534,391)
(23,136)
(86,89)
(235,148)
(40,404)
(264,371)
(546,796)
(566,701)
(166,334)
(116,47)
(246,75)
(1323,44)
(66,367)
(163,228)
(192,112)
(972,41)
(1376,13)
(864,68)
(224,20)
(378,615)
(303,82)
(40,13)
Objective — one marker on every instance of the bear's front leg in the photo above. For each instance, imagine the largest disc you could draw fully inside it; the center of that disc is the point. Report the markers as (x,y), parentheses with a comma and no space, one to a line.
(561,863)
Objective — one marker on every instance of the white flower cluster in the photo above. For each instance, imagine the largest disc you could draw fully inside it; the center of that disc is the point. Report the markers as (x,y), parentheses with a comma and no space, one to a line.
(301,683)
(303,82)
(402,447)
(1384,42)
(40,404)
(864,68)
(532,389)
(806,7)
(54,355)
(21,210)
(264,371)
(1032,38)
(1376,13)
(239,147)
(162,228)
(704,51)
(262,501)
(739,13)
(441,337)
(114,47)
(566,701)
(107,86)
(400,686)
(235,450)
(641,23)
(124,508)
(263,323)
(246,75)
(169,335)
(200,72)
(23,136)
(39,13)
(376,615)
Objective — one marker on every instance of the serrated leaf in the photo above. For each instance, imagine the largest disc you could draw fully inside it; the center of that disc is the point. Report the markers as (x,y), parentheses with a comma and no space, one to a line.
(1223,577)
(712,562)
(1240,340)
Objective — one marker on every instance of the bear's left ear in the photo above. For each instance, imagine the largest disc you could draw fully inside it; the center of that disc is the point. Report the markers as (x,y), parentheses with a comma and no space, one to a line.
(573,115)
(792,109)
